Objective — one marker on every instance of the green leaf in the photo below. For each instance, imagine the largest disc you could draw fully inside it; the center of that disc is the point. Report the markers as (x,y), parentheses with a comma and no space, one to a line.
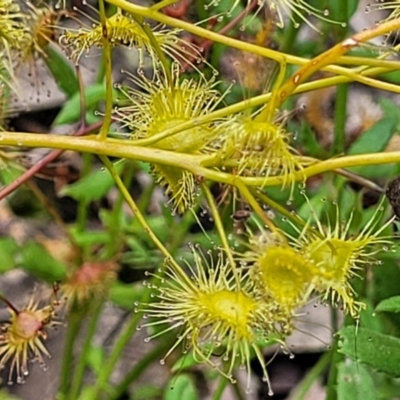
(335,9)
(374,140)
(355,383)
(381,352)
(389,305)
(369,319)
(125,296)
(7,253)
(64,74)
(92,186)
(181,387)
(71,112)
(386,279)
(184,362)
(146,392)
(37,261)
(4,395)
(96,358)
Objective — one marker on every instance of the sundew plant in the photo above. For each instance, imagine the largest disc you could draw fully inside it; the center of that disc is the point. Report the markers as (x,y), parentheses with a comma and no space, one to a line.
(188,186)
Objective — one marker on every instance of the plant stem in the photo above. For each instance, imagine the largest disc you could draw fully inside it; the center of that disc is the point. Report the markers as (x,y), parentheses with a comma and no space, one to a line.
(189,162)
(160,54)
(262,51)
(142,220)
(223,382)
(42,163)
(108,73)
(75,319)
(139,368)
(305,385)
(254,205)
(119,346)
(336,357)
(95,311)
(221,231)
(277,207)
(340,119)
(290,37)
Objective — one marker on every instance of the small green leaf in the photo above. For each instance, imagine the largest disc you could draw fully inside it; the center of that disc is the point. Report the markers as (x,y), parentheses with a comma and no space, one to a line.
(62,71)
(125,296)
(381,352)
(389,305)
(184,362)
(7,254)
(369,319)
(146,392)
(92,186)
(354,382)
(181,387)
(71,112)
(373,141)
(96,358)
(37,261)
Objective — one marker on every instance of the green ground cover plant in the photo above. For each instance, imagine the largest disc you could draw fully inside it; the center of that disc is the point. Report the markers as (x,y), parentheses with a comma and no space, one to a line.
(260,197)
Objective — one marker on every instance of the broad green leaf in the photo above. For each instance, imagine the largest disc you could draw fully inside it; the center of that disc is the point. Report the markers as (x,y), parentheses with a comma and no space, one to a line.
(369,319)
(92,186)
(381,352)
(354,382)
(335,11)
(8,249)
(390,108)
(373,141)
(8,174)
(181,387)
(386,279)
(62,71)
(391,304)
(71,111)
(37,261)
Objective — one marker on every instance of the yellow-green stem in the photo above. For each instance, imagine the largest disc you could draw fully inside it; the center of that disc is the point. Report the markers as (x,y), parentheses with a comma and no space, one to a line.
(163,4)
(245,46)
(160,54)
(331,56)
(189,162)
(142,220)
(108,74)
(245,192)
(262,99)
(220,229)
